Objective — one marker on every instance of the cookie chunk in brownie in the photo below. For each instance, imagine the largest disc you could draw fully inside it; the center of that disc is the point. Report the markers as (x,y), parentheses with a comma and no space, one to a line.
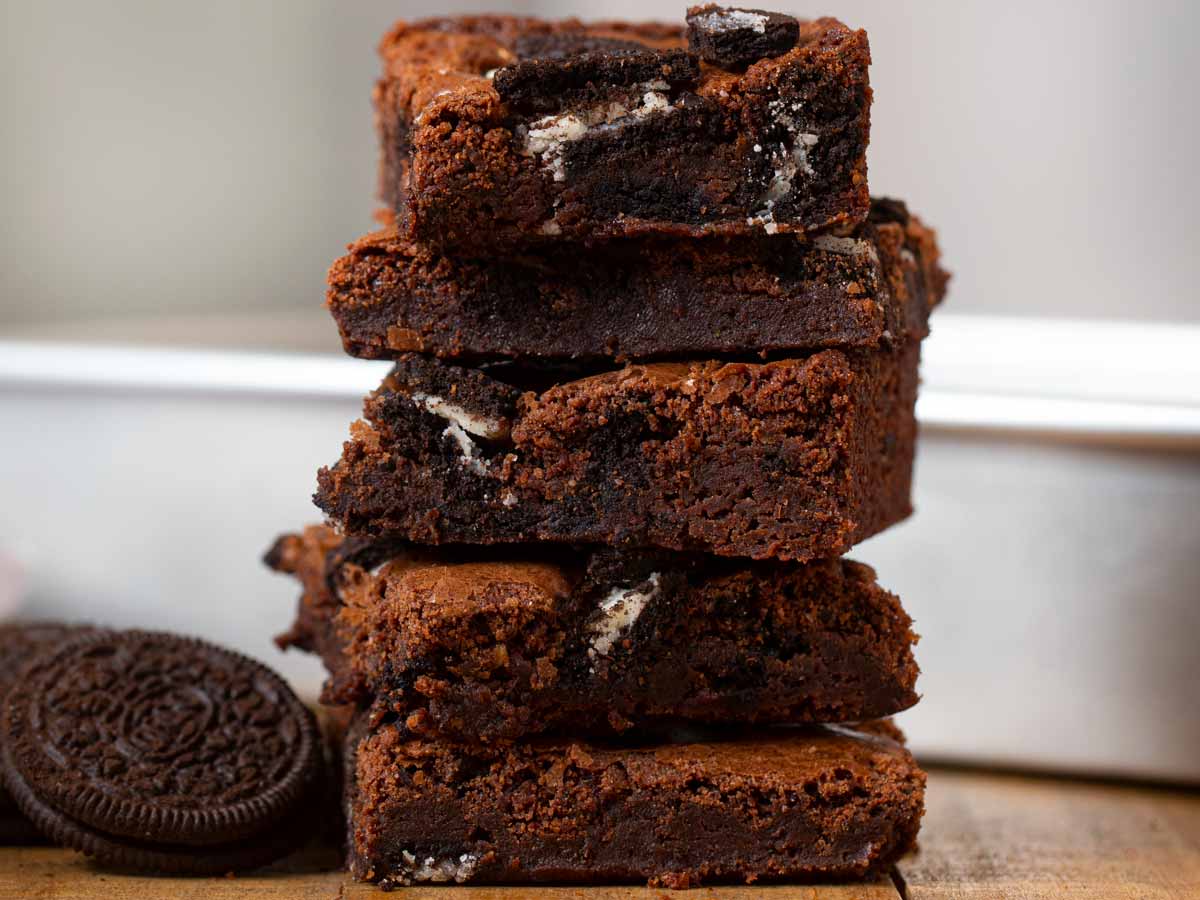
(796,804)
(503,131)
(794,459)
(642,299)
(732,38)
(479,651)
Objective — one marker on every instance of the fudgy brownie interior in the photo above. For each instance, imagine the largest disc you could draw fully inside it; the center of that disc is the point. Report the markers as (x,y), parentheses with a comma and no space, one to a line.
(793,459)
(481,649)
(642,299)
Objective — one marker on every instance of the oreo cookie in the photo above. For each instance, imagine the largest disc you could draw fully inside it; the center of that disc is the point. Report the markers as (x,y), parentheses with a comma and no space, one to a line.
(561,44)
(550,84)
(18,644)
(163,753)
(21,641)
(734,38)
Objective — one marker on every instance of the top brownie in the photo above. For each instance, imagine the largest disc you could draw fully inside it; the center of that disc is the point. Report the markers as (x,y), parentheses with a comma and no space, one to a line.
(501,131)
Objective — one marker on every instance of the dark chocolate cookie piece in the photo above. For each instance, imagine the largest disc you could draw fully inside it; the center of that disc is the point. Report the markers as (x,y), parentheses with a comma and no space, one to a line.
(20,642)
(733,38)
(471,402)
(561,44)
(146,856)
(150,737)
(556,83)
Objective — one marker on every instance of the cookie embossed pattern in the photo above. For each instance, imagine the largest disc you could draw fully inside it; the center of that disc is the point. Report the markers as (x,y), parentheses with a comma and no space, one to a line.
(152,751)
(18,645)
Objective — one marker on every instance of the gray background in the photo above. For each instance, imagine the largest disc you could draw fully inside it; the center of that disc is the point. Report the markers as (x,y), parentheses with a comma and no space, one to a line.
(197,160)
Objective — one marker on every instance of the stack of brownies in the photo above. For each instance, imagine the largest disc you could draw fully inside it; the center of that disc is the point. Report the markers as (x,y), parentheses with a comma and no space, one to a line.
(655,369)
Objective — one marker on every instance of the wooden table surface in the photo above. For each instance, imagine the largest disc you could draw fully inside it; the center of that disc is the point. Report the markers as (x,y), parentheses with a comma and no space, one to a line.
(985,836)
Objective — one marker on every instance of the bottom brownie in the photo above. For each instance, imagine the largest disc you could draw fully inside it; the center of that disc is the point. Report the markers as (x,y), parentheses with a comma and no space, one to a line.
(799,804)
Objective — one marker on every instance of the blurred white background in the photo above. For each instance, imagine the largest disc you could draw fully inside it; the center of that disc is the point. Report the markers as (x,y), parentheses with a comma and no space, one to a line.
(184,174)
(186,159)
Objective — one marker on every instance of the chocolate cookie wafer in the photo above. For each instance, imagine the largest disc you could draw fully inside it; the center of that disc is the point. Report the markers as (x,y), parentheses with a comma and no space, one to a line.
(158,752)
(20,642)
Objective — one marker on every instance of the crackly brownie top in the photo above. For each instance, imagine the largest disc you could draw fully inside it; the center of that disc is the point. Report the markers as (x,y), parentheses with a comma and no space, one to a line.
(443,604)
(479,66)
(432,598)
(775,758)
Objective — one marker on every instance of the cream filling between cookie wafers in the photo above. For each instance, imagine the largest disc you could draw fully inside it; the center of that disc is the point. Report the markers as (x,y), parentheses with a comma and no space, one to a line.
(440,871)
(618,612)
(790,159)
(461,425)
(734,19)
(547,138)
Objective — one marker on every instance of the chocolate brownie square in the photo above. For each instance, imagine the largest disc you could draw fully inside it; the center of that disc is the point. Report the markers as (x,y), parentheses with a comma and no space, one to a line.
(793,459)
(642,298)
(823,803)
(510,131)
(483,651)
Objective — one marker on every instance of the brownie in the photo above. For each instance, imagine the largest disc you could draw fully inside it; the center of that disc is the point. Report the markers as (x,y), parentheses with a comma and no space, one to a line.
(794,459)
(643,298)
(823,803)
(313,558)
(480,651)
(501,131)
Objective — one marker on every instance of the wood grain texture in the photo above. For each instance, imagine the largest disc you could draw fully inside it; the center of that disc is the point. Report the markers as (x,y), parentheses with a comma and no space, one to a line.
(782,892)
(1005,837)
(47,873)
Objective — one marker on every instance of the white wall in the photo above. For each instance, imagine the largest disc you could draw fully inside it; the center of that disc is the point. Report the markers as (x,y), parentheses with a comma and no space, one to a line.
(179,158)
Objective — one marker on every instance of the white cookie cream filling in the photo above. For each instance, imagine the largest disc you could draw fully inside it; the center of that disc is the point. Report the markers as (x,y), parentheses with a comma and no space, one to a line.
(790,160)
(461,425)
(440,871)
(548,138)
(480,426)
(845,246)
(733,19)
(617,613)
(468,452)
